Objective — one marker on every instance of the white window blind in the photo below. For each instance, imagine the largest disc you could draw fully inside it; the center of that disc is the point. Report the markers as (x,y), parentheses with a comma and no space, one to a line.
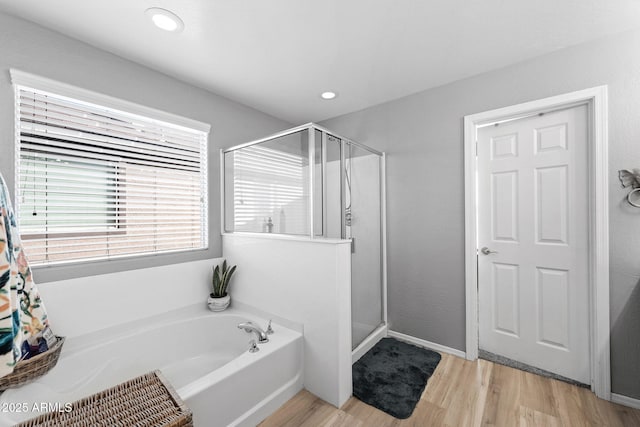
(270,185)
(94,182)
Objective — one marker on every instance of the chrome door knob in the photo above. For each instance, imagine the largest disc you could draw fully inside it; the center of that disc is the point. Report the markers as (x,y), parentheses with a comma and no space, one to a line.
(487,251)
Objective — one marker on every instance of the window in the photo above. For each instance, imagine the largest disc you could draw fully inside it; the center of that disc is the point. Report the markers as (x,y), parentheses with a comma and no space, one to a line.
(267,186)
(96,182)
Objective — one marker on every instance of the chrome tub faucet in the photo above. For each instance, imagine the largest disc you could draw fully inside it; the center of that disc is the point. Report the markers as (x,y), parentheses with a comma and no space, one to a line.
(249,327)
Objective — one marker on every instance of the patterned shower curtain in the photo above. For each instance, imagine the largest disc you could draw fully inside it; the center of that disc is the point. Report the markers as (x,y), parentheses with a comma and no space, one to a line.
(22,314)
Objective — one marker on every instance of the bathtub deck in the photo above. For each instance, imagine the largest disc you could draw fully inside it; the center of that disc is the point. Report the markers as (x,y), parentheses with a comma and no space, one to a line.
(464,393)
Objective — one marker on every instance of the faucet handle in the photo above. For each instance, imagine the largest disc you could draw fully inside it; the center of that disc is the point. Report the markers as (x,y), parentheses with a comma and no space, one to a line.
(269,328)
(253,346)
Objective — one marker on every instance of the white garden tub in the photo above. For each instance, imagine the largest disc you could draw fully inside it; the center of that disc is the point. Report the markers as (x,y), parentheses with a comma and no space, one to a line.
(204,356)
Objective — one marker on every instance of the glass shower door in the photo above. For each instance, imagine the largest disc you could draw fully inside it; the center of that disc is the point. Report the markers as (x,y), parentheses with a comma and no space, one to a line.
(362,220)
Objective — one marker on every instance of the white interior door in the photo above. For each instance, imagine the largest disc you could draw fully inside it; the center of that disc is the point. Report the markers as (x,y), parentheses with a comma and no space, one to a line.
(532,222)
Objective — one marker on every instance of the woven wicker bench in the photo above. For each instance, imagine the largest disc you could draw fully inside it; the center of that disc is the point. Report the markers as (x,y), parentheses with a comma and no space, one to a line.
(146,401)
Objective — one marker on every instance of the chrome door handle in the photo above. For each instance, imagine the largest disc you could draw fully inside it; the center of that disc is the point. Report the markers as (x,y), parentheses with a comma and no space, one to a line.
(487,251)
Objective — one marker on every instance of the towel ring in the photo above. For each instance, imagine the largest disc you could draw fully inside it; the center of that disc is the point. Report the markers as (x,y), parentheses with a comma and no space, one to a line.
(635,204)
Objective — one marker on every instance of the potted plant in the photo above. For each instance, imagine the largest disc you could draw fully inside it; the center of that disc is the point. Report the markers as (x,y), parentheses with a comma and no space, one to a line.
(219,299)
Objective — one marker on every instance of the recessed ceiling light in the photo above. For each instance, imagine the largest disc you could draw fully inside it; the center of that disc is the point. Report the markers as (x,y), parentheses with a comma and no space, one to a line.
(328,95)
(165,19)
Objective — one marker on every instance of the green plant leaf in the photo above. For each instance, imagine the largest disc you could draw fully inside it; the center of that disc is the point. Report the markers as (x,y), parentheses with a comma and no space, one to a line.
(223,287)
(221,277)
(216,280)
(227,277)
(230,273)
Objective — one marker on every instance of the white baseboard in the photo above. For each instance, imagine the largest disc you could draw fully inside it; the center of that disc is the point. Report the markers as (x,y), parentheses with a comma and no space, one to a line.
(625,400)
(368,343)
(427,344)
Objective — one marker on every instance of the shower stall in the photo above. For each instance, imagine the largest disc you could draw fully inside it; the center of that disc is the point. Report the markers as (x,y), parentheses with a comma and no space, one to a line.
(311,183)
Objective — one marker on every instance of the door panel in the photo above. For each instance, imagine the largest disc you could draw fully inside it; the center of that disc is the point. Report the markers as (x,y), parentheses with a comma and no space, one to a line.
(532,215)
(553,308)
(505,206)
(505,281)
(551,197)
(364,226)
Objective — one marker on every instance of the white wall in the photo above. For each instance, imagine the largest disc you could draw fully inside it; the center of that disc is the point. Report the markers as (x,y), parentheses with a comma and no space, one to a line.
(85,305)
(306,282)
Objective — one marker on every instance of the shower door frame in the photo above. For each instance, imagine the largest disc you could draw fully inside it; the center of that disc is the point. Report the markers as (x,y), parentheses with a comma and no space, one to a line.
(382,330)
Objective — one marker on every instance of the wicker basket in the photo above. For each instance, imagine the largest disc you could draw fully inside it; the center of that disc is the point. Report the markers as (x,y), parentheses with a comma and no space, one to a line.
(146,401)
(31,369)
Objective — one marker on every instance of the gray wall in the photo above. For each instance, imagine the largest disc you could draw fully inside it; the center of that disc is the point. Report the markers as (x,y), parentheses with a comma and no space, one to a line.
(423,136)
(31,48)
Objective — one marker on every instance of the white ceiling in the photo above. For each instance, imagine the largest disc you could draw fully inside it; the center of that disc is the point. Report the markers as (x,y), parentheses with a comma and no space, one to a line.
(278,55)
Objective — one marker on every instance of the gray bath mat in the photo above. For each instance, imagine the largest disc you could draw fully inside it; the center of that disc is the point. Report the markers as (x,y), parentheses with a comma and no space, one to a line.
(392,376)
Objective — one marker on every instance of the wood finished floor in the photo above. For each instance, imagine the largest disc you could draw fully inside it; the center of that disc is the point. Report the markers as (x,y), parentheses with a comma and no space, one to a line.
(463,393)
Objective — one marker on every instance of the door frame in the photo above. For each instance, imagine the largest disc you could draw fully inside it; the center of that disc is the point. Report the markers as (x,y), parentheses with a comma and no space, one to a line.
(598,221)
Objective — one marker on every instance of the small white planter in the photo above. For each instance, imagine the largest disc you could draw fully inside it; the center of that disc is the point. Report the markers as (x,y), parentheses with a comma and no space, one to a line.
(219,304)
